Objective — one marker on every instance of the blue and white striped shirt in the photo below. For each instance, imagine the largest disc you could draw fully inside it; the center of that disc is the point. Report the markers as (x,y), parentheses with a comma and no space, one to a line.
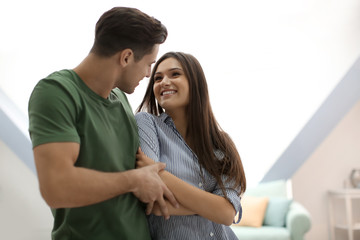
(160,141)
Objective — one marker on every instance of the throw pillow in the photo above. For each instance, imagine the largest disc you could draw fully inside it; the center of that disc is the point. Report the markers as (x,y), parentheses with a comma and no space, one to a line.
(276,211)
(253,211)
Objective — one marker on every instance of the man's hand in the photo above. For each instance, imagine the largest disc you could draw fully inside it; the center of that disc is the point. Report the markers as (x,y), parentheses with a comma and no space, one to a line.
(156,210)
(142,160)
(149,188)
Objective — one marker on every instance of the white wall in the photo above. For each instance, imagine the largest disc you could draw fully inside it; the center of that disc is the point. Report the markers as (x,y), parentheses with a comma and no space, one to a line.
(23,213)
(254,54)
(327,168)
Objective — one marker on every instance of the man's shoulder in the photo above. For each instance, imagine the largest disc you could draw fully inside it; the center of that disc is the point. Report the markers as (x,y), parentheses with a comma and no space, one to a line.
(56,89)
(61,75)
(63,78)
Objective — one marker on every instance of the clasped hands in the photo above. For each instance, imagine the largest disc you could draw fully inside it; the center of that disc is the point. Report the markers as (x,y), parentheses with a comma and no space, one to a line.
(153,191)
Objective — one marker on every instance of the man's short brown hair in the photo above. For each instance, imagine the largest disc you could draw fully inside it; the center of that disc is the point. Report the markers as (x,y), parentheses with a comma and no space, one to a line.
(122,27)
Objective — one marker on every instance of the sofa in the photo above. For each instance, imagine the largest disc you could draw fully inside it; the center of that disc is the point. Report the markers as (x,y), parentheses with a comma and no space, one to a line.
(269,213)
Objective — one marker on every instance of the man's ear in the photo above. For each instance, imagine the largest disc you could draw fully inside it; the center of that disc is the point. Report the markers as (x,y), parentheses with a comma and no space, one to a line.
(126,56)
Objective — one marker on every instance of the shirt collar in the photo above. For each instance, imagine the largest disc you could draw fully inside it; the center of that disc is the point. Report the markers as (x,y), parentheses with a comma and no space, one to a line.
(167,119)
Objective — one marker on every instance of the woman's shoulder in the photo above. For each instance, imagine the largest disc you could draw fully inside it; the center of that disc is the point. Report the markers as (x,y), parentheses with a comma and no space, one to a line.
(141,116)
(149,116)
(144,118)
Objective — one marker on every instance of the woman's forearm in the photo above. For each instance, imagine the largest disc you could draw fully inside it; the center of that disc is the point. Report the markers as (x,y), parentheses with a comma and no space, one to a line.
(180,211)
(213,207)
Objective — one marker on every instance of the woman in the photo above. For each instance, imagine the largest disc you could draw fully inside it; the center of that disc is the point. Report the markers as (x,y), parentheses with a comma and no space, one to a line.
(203,168)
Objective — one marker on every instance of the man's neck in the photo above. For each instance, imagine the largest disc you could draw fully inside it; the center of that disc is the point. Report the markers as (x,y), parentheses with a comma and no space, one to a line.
(98,74)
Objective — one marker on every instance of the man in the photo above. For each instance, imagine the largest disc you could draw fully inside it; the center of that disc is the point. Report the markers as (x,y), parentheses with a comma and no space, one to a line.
(85,137)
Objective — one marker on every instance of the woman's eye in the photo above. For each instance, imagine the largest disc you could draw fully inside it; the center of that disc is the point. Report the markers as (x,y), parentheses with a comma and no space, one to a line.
(175,74)
(158,78)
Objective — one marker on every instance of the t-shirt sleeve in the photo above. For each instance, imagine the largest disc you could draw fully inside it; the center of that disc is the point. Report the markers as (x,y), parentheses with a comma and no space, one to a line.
(149,141)
(52,114)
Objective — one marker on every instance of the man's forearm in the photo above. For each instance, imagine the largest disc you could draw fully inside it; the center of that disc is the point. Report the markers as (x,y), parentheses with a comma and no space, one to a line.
(81,187)
(62,184)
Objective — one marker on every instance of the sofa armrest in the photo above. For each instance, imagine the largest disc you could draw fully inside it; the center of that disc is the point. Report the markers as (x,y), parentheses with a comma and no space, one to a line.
(298,221)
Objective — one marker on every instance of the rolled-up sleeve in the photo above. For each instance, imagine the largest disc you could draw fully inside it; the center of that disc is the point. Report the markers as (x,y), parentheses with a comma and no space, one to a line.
(231,192)
(232,195)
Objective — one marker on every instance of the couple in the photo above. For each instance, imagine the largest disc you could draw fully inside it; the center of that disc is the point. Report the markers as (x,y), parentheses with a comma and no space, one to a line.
(92,172)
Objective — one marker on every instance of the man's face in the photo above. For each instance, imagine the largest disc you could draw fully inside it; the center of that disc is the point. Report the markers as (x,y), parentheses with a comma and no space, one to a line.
(136,71)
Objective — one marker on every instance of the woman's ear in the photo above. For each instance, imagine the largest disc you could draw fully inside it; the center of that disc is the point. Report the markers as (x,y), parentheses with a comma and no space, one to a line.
(126,56)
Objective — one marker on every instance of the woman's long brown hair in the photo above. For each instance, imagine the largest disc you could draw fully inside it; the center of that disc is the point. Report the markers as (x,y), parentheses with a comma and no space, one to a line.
(203,129)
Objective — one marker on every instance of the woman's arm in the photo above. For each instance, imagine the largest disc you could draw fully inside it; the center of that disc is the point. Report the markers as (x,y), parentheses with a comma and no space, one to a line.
(213,207)
(143,161)
(192,199)
(180,211)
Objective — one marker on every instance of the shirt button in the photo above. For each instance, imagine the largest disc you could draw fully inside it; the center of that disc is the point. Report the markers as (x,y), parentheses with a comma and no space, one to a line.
(200,184)
(211,234)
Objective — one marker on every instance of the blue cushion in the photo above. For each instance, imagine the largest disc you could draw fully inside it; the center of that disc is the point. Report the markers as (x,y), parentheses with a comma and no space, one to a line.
(276,211)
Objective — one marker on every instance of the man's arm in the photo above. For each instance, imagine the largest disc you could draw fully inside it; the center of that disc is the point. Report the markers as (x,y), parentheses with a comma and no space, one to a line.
(64,185)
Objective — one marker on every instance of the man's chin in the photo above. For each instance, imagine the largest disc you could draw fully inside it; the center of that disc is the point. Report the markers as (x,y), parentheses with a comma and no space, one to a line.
(128,91)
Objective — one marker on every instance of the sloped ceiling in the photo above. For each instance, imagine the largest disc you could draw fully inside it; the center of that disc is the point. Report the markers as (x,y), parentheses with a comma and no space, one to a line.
(14,130)
(340,101)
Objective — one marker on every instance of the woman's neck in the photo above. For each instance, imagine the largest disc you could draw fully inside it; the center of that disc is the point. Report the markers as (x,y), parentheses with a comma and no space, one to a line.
(180,121)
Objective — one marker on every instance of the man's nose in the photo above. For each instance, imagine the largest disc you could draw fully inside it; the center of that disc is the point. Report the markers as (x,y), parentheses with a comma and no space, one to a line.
(148,72)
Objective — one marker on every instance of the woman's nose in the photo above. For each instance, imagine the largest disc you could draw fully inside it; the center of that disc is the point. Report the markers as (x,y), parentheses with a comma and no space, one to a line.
(165,81)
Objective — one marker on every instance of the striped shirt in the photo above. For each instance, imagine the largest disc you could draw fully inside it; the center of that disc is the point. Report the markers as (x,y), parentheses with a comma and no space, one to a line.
(160,141)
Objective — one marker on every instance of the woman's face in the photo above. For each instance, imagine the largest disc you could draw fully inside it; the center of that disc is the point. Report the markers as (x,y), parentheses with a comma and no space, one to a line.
(171,86)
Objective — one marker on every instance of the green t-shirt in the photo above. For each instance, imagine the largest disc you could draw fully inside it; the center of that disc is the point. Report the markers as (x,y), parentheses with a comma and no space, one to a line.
(63,109)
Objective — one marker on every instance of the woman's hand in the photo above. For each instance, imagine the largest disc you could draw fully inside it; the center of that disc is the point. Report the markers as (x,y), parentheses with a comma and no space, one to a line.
(142,160)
